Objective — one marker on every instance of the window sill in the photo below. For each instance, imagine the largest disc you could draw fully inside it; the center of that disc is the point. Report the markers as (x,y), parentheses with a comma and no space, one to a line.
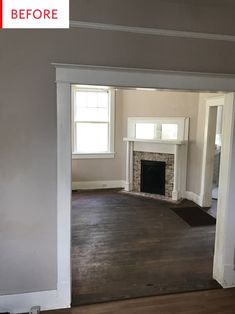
(93,156)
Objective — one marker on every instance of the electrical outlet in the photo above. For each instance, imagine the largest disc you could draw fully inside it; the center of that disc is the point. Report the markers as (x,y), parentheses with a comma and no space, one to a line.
(35,310)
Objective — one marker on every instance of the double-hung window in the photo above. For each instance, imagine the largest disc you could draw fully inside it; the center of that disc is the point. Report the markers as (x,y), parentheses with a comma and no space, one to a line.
(92,122)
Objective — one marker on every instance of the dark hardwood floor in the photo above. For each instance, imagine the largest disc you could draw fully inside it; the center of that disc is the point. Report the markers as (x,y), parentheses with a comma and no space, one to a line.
(125,246)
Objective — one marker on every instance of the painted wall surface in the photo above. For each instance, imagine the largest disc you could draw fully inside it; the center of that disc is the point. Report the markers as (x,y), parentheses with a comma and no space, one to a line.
(28,125)
(215,16)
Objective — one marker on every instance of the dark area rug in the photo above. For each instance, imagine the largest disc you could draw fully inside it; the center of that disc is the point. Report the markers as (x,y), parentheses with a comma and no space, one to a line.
(195,216)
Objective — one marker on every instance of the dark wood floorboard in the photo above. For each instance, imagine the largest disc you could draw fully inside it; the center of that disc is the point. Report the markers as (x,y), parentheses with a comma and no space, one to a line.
(204,302)
(125,246)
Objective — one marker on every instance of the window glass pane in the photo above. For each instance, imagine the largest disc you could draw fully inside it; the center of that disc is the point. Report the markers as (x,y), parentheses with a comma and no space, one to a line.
(145,130)
(91,106)
(169,131)
(91,137)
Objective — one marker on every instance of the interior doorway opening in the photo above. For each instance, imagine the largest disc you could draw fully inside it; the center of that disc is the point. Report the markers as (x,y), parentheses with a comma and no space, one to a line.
(104,266)
(69,74)
(212,153)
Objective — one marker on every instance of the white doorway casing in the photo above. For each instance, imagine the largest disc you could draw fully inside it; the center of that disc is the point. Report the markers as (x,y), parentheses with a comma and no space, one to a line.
(212,104)
(74,74)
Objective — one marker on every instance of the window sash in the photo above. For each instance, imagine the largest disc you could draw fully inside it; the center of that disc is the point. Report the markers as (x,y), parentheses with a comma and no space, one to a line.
(76,149)
(110,122)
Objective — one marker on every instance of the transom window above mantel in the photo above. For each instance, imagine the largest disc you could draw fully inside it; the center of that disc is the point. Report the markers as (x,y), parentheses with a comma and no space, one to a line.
(161,129)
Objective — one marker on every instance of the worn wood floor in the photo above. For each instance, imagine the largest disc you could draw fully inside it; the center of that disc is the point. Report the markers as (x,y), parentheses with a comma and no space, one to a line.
(125,246)
(204,302)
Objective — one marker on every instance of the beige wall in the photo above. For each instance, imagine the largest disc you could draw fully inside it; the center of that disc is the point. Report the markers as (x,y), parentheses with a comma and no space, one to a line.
(133,103)
(171,104)
(28,117)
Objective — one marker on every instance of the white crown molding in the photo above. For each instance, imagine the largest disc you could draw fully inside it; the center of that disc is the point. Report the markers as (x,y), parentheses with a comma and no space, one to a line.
(151,31)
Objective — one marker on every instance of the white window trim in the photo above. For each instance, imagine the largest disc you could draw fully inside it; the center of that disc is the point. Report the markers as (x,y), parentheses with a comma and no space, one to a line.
(93,156)
(111,140)
(182,123)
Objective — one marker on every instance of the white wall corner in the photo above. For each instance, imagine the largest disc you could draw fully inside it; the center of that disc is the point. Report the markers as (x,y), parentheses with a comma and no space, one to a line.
(206,200)
(92,185)
(226,278)
(191,196)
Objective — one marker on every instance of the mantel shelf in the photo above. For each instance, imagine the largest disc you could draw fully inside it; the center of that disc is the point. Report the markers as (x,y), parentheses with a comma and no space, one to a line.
(169,142)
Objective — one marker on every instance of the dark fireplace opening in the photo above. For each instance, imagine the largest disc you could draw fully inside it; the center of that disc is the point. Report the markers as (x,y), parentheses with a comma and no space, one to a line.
(153,177)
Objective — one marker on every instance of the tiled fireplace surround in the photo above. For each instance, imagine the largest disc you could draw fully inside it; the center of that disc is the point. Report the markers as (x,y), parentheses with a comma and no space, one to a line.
(167,158)
(173,153)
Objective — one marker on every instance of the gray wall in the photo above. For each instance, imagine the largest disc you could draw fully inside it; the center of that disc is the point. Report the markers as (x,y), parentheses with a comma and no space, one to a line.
(211,16)
(28,113)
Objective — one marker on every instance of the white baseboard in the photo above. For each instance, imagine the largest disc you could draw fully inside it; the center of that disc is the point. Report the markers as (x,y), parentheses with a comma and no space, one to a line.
(90,185)
(227,278)
(21,303)
(191,196)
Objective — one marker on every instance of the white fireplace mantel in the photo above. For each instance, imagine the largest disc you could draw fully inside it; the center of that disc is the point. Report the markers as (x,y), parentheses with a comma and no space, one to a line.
(176,147)
(168,142)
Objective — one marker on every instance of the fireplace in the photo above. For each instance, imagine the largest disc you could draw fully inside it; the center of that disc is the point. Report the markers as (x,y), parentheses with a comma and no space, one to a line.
(153,177)
(153,173)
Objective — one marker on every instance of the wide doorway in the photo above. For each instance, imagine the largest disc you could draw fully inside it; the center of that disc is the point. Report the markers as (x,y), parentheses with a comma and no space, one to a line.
(67,75)
(128,240)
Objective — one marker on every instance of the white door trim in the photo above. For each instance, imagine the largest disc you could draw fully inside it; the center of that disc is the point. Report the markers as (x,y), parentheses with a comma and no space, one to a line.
(208,148)
(68,74)
(224,270)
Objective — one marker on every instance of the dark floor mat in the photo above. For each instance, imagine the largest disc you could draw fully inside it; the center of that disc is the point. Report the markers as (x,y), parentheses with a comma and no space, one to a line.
(195,216)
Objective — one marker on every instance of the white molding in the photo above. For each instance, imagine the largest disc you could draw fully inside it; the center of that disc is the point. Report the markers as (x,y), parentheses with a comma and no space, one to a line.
(132,77)
(154,141)
(21,303)
(93,156)
(191,196)
(212,104)
(112,122)
(151,31)
(223,269)
(64,163)
(92,185)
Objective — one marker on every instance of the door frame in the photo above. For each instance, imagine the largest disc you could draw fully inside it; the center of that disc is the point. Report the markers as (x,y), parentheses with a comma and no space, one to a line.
(67,74)
(212,103)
